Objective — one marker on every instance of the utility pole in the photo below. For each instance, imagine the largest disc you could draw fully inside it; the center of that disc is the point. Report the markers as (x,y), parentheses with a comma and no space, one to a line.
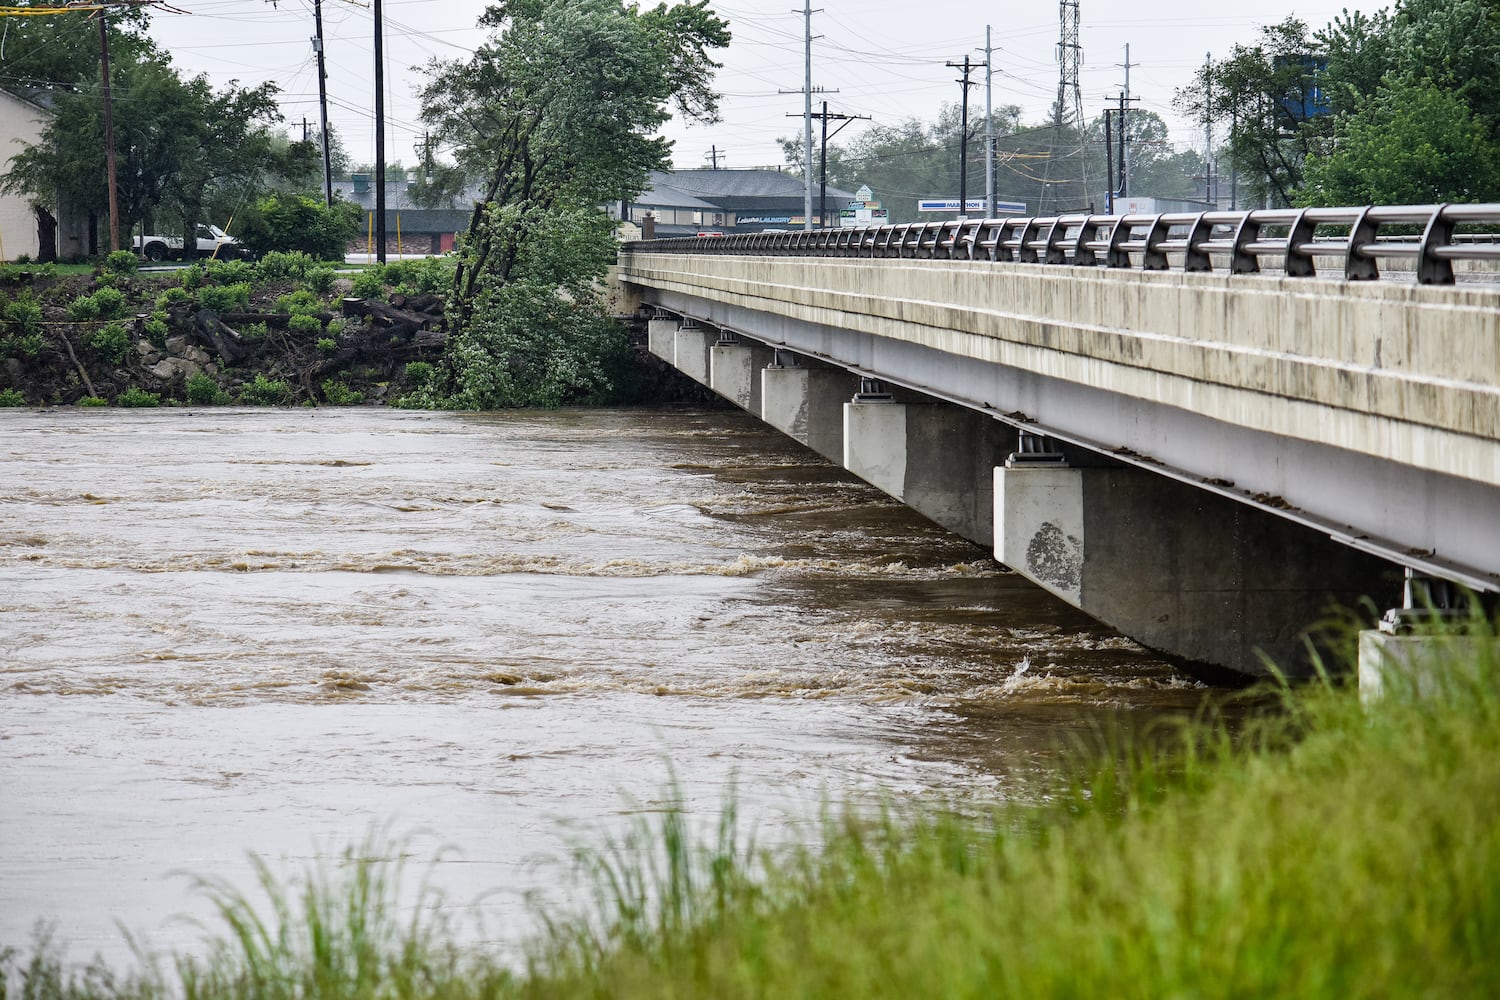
(109,135)
(823,169)
(1069,91)
(713,157)
(989,126)
(1109,165)
(322,101)
(1208,128)
(963,143)
(1125,101)
(379,134)
(807,91)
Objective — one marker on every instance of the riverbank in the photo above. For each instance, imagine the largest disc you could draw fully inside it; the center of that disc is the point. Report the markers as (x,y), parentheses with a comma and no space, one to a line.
(284,331)
(1325,850)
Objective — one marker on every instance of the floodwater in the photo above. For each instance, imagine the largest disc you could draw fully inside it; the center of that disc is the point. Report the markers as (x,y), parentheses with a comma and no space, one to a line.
(493,637)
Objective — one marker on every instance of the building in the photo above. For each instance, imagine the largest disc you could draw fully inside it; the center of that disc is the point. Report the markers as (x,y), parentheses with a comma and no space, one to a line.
(409,228)
(688,202)
(28,230)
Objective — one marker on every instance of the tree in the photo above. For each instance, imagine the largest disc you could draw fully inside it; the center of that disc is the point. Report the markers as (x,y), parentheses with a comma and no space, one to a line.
(180,146)
(1271,94)
(60,51)
(1413,144)
(558,111)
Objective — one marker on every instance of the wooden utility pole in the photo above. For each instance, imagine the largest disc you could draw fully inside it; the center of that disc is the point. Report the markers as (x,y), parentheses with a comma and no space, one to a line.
(323,101)
(379,134)
(109,135)
(967,66)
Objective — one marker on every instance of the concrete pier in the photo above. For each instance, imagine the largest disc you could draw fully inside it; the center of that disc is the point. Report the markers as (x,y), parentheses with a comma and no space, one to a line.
(805,401)
(936,458)
(734,371)
(1186,572)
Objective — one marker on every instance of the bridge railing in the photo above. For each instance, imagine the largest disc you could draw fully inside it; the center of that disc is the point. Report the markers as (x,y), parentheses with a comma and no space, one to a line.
(1293,239)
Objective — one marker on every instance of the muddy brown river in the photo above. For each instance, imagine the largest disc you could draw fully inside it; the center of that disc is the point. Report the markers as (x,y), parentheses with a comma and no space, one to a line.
(492,637)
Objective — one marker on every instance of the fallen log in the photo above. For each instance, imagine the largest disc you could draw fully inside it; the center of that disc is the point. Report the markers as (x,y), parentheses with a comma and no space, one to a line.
(214,333)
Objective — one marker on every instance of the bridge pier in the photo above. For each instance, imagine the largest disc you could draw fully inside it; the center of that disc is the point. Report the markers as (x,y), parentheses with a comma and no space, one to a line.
(735,372)
(936,458)
(806,403)
(1191,574)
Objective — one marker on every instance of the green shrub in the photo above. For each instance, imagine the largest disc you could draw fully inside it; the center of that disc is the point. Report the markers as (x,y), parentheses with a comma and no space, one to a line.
(191,277)
(230,272)
(327,346)
(266,392)
(301,301)
(427,276)
(225,298)
(297,222)
(338,393)
(369,284)
(88,401)
(320,279)
(304,325)
(173,296)
(24,314)
(111,302)
(83,309)
(139,398)
(156,331)
(111,342)
(12,397)
(419,373)
(21,345)
(121,262)
(253,332)
(282,265)
(203,390)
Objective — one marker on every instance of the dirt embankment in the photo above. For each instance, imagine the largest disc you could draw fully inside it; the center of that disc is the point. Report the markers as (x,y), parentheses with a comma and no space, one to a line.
(151,337)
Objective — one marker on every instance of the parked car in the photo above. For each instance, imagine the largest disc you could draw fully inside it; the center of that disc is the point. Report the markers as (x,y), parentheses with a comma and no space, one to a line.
(212,242)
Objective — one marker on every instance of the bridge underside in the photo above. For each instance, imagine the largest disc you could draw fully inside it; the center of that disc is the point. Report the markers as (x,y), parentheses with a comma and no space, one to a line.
(1213,542)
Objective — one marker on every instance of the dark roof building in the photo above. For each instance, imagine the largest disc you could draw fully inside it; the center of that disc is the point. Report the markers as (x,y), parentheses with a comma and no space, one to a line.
(688,202)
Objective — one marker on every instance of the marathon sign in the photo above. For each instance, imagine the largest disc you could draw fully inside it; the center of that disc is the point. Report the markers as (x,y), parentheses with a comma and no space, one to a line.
(949,206)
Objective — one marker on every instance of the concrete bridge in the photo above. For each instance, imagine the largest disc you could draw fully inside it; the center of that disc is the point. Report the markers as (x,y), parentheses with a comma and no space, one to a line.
(1178,424)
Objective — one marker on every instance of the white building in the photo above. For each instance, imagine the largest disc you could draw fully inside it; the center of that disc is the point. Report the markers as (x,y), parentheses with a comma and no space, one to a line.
(22,225)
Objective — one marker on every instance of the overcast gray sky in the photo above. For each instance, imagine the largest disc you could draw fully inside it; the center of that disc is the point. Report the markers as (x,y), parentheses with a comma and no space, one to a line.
(884,57)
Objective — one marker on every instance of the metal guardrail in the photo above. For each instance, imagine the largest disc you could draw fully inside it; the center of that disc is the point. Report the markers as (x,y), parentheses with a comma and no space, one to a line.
(1240,239)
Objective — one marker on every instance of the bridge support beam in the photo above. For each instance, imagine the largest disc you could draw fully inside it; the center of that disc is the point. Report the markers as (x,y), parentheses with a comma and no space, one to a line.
(690,346)
(1193,575)
(806,403)
(661,336)
(735,372)
(936,458)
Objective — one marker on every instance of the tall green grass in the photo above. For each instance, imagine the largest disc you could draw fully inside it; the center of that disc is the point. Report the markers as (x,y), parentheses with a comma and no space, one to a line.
(1325,850)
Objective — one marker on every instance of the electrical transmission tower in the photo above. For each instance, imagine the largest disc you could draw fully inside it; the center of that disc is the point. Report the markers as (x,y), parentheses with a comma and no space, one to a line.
(1068,112)
(1069,54)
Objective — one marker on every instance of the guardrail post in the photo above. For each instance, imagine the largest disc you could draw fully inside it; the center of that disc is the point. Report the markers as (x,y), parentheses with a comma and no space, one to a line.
(1432,269)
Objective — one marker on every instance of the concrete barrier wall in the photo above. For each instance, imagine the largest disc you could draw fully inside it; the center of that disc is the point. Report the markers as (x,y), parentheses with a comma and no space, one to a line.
(1407,373)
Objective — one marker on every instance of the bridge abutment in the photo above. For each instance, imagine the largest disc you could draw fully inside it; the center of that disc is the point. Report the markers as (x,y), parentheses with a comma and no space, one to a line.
(1188,573)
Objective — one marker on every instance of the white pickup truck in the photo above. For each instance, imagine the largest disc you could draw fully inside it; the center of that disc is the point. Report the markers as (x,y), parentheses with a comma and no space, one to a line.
(212,242)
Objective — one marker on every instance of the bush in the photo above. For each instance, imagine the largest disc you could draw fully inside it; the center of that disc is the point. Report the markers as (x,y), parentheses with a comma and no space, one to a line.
(304,324)
(21,345)
(156,331)
(369,284)
(120,262)
(139,398)
(299,302)
(282,265)
(111,302)
(419,373)
(83,309)
(320,279)
(172,297)
(191,277)
(253,332)
(266,392)
(89,401)
(111,342)
(24,314)
(229,272)
(338,393)
(224,298)
(285,222)
(203,390)
(327,346)
(428,276)
(12,397)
